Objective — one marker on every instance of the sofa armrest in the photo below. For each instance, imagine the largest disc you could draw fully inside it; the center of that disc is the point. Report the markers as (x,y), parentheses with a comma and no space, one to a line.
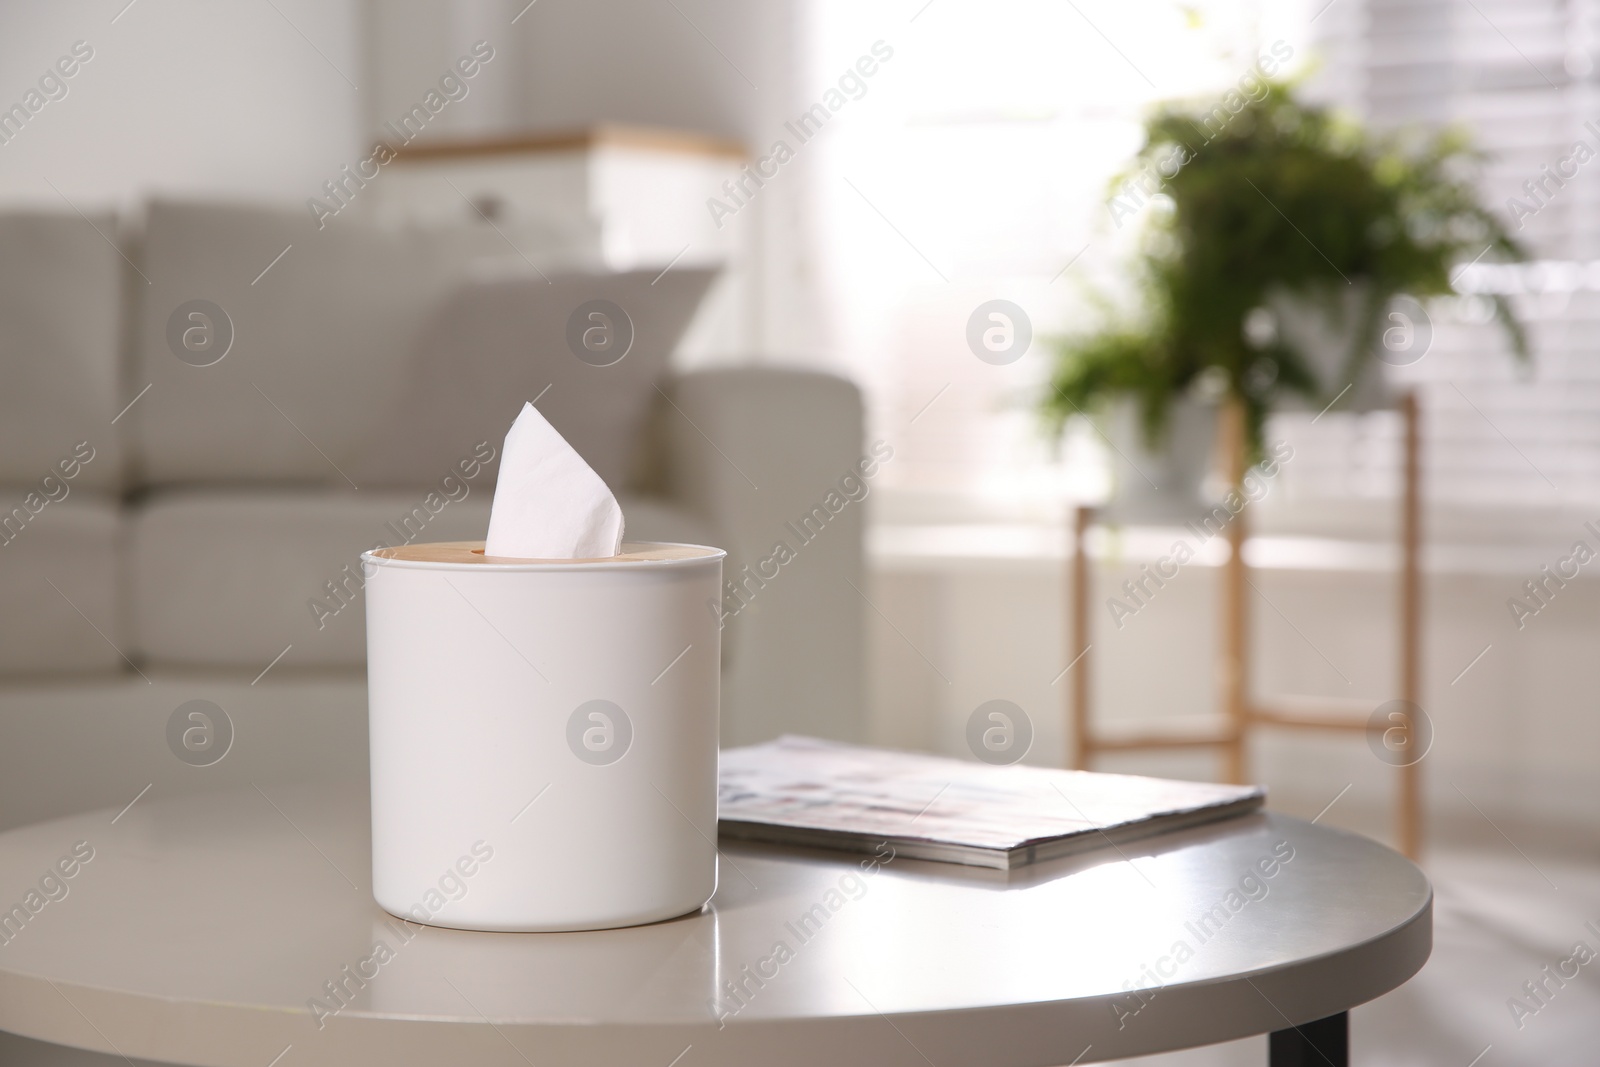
(774,460)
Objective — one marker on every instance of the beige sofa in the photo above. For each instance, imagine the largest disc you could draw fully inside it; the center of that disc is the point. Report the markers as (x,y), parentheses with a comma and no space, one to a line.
(171,531)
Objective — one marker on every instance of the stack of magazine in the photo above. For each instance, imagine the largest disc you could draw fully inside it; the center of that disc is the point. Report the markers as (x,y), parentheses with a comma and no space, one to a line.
(802,791)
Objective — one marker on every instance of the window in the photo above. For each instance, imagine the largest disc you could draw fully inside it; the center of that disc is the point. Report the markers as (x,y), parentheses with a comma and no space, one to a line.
(978,167)
(1519,74)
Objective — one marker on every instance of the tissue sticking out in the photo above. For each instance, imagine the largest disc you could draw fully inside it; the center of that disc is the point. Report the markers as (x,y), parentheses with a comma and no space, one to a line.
(549,503)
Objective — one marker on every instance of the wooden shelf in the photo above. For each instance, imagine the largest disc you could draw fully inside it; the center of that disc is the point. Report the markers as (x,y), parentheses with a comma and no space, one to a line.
(604,135)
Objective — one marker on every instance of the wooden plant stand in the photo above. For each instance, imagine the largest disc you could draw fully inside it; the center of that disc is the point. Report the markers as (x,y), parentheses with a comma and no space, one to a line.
(1241,712)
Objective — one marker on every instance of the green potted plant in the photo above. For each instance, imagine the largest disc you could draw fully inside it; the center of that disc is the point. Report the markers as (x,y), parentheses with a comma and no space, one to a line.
(1272,275)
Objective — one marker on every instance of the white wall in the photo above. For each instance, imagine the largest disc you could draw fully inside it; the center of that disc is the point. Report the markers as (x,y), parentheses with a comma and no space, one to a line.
(182,96)
(410,43)
(715,65)
(726,67)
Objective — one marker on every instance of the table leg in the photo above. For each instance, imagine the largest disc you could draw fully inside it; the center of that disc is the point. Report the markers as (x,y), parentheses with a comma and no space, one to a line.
(1324,1043)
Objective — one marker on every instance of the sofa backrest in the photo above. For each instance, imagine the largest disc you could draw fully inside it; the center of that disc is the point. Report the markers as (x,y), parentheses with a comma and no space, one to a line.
(308,331)
(493,343)
(60,323)
(263,350)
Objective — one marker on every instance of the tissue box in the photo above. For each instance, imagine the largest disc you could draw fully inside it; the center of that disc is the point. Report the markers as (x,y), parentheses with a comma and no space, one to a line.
(543,735)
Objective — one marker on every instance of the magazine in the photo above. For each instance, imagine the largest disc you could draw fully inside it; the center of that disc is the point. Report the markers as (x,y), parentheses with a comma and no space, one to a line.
(824,794)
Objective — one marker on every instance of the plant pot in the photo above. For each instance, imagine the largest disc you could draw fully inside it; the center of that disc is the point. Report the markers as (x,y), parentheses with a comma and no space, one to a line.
(1165,484)
(1324,336)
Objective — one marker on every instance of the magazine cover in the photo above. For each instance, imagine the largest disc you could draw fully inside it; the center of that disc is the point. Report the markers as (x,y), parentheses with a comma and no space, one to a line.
(804,791)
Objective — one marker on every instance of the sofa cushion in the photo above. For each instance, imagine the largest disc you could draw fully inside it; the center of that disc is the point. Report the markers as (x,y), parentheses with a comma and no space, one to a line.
(233,578)
(61,576)
(309,348)
(60,303)
(69,746)
(371,357)
(501,340)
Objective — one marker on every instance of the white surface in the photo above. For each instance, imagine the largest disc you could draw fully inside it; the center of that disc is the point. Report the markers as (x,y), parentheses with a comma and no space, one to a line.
(549,503)
(1497,924)
(479,677)
(908,963)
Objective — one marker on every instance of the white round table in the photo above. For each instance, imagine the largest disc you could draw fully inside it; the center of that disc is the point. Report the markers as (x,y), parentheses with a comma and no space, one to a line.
(238,929)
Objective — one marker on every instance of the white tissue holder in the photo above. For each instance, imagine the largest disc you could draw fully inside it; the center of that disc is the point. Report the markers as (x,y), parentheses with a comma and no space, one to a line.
(543,735)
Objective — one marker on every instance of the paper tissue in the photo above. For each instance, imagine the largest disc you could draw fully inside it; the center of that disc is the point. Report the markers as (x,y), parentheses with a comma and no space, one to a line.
(542,711)
(549,503)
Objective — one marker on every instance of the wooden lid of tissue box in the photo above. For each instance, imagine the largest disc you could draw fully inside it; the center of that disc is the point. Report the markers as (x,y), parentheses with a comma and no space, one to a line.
(472,552)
